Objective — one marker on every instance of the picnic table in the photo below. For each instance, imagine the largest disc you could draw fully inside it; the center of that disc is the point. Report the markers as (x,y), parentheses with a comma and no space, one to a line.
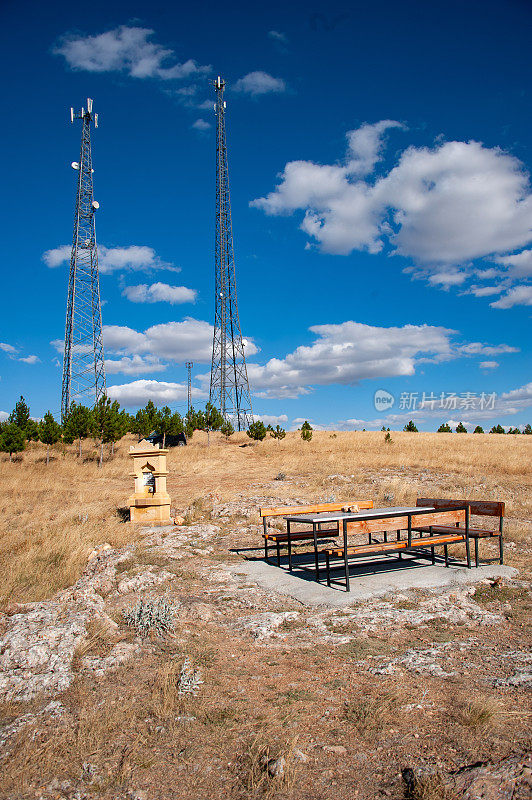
(382,520)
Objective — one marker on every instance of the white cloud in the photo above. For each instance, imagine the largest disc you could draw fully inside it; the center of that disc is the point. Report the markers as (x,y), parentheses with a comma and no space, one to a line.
(134,365)
(366,144)
(126,49)
(159,293)
(519,264)
(278,36)
(57,256)
(441,207)
(190,339)
(271,419)
(3,416)
(479,349)
(353,422)
(489,364)
(137,393)
(257,83)
(484,291)
(352,351)
(512,402)
(518,296)
(517,399)
(7,348)
(201,125)
(30,359)
(111,259)
(447,278)
(205,105)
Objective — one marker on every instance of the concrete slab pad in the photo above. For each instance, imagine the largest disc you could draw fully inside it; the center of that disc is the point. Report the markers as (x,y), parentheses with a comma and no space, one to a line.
(368,579)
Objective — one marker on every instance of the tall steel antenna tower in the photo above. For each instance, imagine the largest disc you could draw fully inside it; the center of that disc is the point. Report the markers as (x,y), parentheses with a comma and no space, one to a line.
(83,360)
(189,366)
(229,378)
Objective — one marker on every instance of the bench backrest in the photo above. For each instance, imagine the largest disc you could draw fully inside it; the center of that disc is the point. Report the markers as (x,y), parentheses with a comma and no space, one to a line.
(481,508)
(314,509)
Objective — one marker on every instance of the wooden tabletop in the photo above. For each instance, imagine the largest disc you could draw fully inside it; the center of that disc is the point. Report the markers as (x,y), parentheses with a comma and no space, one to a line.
(368,513)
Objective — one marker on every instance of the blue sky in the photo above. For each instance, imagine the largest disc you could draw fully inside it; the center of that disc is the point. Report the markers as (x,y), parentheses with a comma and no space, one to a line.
(382,215)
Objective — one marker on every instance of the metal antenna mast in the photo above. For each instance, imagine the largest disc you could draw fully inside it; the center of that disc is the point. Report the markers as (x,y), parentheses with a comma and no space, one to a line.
(229,378)
(189,366)
(83,361)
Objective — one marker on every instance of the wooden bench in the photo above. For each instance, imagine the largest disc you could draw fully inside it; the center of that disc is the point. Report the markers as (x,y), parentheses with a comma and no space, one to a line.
(280,539)
(477,508)
(456,513)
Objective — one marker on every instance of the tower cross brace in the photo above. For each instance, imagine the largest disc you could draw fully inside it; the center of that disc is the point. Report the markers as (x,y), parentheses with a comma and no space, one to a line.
(229,389)
(83,360)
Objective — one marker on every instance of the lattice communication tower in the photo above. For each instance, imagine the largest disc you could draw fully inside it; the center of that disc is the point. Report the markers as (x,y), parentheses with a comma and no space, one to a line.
(229,391)
(83,360)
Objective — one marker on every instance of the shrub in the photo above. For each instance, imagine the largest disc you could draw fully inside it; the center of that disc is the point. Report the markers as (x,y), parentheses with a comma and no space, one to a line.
(461,428)
(444,428)
(49,432)
(257,431)
(279,433)
(497,429)
(306,431)
(149,614)
(227,429)
(12,439)
(410,427)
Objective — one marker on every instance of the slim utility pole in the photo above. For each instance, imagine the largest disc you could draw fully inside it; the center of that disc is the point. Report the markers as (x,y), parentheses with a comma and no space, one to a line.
(189,366)
(83,360)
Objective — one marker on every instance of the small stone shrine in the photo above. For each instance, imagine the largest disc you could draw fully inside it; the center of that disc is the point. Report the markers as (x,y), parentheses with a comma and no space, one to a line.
(150,502)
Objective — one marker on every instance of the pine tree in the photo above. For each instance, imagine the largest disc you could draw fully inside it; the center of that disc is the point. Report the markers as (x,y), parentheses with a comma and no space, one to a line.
(306,431)
(49,432)
(106,423)
(410,427)
(227,429)
(164,422)
(12,439)
(528,429)
(20,415)
(279,433)
(176,424)
(461,428)
(77,424)
(213,418)
(152,416)
(444,428)
(257,431)
(195,421)
(497,429)
(479,429)
(32,430)
(141,424)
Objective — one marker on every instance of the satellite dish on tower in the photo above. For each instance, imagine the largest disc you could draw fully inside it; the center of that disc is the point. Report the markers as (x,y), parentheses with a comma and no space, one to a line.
(95,205)
(75,165)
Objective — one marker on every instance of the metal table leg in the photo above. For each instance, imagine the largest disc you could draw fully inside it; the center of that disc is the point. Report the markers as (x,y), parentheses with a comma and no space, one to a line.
(347,587)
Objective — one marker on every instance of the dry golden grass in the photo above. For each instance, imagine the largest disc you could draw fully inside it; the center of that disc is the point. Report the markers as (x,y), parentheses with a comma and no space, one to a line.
(52,516)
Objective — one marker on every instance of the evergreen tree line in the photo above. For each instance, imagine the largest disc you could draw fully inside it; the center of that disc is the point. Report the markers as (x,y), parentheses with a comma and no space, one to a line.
(411,427)
(107,423)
